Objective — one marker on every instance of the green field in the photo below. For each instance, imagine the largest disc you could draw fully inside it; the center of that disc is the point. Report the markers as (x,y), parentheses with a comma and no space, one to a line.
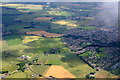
(87,27)
(86,54)
(13,40)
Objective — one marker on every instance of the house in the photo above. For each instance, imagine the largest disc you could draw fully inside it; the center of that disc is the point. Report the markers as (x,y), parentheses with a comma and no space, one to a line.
(25,57)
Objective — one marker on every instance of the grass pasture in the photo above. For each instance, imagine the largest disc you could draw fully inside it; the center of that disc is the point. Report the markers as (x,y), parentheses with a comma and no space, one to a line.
(13,40)
(87,27)
(18,75)
(45,44)
(80,69)
(16,26)
(28,39)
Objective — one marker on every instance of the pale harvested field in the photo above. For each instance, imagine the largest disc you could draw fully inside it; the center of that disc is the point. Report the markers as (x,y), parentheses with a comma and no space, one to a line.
(105,74)
(11,4)
(58,72)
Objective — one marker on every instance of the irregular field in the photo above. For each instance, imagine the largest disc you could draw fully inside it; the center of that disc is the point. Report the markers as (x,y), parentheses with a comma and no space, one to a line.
(11,5)
(13,40)
(28,39)
(23,6)
(80,69)
(18,75)
(67,23)
(41,33)
(87,27)
(63,13)
(58,72)
(105,74)
(30,7)
(43,18)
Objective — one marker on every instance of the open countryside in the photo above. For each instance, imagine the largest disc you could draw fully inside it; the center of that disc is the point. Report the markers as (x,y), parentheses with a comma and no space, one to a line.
(58,40)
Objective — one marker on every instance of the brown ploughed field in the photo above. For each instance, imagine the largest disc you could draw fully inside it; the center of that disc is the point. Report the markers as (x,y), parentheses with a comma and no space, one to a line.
(46,34)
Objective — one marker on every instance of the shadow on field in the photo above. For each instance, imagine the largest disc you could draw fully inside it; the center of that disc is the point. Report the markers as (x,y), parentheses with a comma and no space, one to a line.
(10,54)
(70,57)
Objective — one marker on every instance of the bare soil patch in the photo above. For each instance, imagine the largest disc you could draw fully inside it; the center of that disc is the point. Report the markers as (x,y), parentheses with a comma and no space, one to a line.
(44,33)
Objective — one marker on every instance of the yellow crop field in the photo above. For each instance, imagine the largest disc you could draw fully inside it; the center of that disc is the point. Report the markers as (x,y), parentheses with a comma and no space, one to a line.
(24,6)
(28,39)
(11,4)
(67,23)
(61,22)
(31,7)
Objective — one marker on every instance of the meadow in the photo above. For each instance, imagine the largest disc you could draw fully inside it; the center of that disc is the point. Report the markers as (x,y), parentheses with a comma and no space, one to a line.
(13,40)
(36,48)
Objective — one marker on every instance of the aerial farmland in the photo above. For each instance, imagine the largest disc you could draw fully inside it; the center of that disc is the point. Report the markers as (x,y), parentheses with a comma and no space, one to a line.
(57,40)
